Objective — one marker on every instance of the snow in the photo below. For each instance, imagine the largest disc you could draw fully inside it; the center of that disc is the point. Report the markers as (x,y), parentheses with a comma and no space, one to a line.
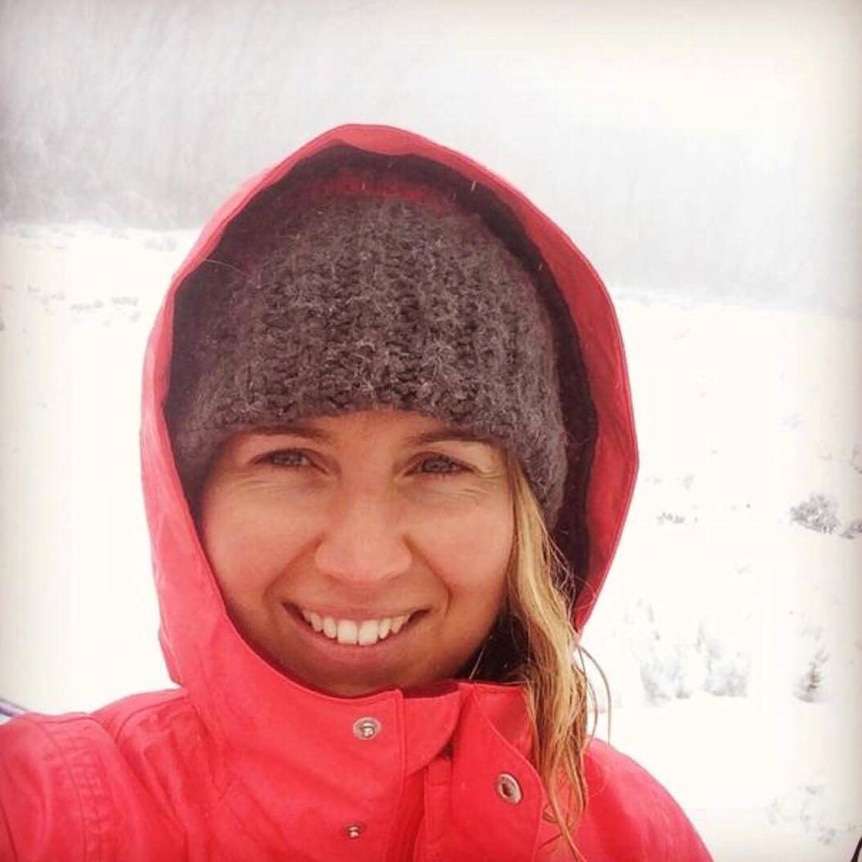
(727,629)
(743,413)
(705,148)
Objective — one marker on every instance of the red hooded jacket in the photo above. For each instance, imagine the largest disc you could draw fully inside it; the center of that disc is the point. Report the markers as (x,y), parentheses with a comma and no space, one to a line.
(242,763)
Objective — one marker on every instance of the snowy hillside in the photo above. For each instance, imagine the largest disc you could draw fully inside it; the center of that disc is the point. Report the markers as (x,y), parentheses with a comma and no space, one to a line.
(705,148)
(728,628)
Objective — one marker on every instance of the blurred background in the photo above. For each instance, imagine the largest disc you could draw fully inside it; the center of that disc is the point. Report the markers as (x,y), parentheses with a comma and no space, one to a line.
(694,147)
(704,155)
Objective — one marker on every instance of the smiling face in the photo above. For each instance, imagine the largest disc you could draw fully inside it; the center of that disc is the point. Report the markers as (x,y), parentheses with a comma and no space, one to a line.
(362,551)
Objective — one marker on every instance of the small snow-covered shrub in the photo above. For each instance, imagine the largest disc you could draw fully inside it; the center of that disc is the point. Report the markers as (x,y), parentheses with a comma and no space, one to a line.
(818,512)
(668,663)
(852,529)
(670,518)
(727,669)
(669,671)
(810,684)
(818,809)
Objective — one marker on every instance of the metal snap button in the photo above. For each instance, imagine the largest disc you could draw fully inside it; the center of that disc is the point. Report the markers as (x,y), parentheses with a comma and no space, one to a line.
(366,728)
(508,788)
(354,830)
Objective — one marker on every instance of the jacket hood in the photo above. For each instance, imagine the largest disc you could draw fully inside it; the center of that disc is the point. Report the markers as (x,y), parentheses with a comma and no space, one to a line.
(204,652)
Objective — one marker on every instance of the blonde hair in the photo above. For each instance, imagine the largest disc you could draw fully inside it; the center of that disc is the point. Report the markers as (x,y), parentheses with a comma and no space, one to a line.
(557,689)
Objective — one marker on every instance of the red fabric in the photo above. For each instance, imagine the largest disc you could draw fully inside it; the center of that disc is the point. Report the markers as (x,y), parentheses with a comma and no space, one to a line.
(242,763)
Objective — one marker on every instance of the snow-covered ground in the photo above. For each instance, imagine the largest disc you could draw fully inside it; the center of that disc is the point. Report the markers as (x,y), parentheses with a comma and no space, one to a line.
(728,628)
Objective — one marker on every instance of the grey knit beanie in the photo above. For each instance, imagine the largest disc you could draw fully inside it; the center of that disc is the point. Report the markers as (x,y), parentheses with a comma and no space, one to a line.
(356,290)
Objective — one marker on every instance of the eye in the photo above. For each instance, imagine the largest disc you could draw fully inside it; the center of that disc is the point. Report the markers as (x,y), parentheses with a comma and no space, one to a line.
(439,465)
(285,458)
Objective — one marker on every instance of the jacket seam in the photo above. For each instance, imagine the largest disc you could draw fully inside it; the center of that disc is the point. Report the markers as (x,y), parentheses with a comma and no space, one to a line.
(75,782)
(118,730)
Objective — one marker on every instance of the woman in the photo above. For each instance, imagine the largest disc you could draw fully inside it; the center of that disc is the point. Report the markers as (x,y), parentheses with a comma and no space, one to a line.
(387,453)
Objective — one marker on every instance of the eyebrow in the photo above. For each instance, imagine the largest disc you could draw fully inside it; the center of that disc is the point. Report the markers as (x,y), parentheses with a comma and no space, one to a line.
(296,429)
(425,438)
(445,434)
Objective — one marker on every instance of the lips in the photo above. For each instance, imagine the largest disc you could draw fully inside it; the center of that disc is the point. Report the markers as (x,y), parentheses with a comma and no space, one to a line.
(355,632)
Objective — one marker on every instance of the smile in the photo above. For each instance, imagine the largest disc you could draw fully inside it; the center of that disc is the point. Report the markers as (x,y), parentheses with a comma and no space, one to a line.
(355,632)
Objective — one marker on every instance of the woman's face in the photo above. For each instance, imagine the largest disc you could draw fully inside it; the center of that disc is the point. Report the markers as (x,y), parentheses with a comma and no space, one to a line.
(362,551)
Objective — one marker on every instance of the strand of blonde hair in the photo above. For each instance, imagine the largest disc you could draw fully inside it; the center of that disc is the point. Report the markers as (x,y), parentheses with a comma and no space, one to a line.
(556,684)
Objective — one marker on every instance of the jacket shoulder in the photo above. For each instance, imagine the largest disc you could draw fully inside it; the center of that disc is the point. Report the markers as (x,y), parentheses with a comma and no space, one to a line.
(40,774)
(68,790)
(630,815)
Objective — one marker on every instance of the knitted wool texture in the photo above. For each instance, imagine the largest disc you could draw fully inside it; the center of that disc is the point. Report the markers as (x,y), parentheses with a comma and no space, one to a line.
(344,301)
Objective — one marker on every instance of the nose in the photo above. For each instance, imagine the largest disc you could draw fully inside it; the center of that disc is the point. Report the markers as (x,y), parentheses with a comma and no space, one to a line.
(363,541)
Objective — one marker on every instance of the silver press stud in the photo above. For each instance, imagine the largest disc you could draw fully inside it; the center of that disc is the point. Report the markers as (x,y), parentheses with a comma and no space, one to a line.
(354,830)
(366,728)
(508,788)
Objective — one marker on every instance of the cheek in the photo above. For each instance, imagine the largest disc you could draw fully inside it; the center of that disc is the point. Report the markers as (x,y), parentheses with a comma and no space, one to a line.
(471,554)
(472,564)
(246,544)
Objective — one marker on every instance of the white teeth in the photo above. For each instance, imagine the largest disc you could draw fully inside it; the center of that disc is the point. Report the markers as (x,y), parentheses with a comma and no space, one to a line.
(351,632)
(348,632)
(369,632)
